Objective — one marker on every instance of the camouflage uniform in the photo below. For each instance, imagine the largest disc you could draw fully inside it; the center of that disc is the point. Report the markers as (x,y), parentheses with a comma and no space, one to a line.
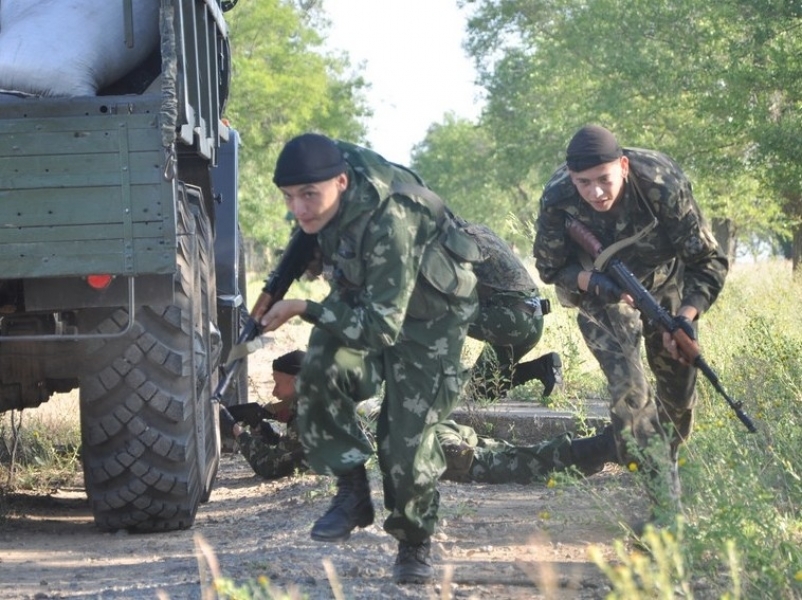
(510,318)
(398,312)
(677,260)
(497,461)
(494,461)
(272,461)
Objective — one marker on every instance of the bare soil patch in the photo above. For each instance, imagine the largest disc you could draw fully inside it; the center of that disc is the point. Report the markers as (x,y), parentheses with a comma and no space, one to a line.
(494,541)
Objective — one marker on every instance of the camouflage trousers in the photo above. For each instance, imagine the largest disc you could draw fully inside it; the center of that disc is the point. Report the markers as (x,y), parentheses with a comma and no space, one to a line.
(272,461)
(652,417)
(422,377)
(498,461)
(510,324)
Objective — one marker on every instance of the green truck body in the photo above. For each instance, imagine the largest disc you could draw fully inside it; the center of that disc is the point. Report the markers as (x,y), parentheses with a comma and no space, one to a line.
(122,270)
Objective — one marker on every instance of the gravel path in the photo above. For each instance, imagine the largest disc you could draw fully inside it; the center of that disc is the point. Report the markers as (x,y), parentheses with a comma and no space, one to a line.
(494,541)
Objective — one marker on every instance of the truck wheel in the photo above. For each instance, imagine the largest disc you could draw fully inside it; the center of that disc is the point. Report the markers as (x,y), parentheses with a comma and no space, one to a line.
(150,438)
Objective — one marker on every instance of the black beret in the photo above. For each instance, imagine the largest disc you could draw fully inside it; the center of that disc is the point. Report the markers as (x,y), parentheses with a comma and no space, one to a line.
(592,146)
(289,363)
(308,158)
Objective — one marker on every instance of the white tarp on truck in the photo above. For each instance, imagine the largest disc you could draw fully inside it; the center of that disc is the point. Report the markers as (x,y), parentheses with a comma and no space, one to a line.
(73,47)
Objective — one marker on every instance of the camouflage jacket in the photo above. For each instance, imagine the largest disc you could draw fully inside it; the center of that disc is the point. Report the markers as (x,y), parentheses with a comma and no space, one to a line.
(381,246)
(681,241)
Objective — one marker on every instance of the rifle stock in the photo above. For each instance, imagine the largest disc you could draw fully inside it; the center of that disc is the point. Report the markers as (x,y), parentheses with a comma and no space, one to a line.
(294,261)
(646,304)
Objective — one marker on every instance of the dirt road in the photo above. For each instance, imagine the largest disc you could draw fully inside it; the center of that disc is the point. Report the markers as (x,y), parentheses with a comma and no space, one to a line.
(499,541)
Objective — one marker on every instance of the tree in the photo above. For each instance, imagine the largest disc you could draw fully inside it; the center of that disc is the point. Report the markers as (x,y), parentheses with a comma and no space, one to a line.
(283,84)
(455,159)
(659,74)
(768,74)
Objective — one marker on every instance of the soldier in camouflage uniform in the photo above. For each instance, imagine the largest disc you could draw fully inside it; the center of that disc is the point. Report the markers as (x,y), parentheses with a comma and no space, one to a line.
(643,202)
(469,457)
(402,296)
(285,455)
(510,320)
(475,458)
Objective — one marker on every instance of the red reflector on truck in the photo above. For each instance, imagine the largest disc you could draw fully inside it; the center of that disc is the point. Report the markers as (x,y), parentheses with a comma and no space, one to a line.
(99,282)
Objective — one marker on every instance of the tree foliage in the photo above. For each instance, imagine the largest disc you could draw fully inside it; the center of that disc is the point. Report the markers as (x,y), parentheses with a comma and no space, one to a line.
(715,85)
(284,83)
(456,160)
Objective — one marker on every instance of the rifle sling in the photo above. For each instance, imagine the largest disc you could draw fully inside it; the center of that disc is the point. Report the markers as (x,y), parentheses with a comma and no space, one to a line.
(605,255)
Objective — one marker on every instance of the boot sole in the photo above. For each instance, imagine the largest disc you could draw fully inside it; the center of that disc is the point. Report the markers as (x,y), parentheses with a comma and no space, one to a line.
(344,537)
(320,538)
(413,579)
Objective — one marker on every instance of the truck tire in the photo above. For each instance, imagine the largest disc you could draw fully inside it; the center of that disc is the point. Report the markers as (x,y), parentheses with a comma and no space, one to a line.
(241,396)
(150,437)
(211,343)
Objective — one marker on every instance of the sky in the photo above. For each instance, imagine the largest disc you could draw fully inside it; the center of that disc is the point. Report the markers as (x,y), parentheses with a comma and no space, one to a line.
(414,61)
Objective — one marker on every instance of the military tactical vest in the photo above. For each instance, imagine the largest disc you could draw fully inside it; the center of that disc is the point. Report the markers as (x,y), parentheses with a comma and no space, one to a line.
(497,268)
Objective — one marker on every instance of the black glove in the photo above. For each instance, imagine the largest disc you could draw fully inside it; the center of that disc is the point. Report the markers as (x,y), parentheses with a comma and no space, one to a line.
(604,288)
(685,324)
(227,423)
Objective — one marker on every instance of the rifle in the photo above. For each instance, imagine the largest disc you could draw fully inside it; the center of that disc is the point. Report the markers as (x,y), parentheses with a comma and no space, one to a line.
(250,413)
(256,417)
(646,304)
(294,261)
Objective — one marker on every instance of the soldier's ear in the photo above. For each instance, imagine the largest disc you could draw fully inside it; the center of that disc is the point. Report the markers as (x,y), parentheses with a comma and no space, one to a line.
(624,167)
(342,182)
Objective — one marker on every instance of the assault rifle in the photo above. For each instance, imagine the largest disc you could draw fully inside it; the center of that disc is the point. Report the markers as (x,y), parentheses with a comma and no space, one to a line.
(297,256)
(646,303)
(256,417)
(250,413)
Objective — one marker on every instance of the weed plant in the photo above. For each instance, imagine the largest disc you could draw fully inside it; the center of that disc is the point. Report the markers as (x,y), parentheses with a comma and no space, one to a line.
(40,448)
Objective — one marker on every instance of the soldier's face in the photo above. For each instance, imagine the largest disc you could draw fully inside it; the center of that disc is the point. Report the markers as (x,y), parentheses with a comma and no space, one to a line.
(283,386)
(601,186)
(315,204)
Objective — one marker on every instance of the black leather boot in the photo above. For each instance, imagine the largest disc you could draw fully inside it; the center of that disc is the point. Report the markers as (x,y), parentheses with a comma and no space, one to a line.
(590,454)
(547,369)
(553,376)
(413,563)
(350,508)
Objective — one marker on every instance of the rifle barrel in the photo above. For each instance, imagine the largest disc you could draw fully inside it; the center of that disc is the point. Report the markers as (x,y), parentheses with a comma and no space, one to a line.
(294,261)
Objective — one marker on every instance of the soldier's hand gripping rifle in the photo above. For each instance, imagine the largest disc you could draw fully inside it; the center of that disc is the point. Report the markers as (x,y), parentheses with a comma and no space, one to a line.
(257,417)
(645,302)
(294,261)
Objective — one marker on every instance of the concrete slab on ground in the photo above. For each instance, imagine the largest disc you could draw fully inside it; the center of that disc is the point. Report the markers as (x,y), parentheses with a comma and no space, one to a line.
(528,422)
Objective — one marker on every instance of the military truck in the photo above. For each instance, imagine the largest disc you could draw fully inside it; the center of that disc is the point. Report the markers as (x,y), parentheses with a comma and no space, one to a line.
(122,269)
